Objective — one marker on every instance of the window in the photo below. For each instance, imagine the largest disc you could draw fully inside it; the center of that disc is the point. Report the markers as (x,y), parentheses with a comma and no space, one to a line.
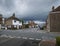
(14,20)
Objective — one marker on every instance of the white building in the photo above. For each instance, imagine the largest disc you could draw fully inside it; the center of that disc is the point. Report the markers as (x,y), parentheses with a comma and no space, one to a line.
(13,22)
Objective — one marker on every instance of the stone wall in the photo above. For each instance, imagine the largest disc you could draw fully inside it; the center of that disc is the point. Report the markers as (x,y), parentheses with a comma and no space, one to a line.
(55,22)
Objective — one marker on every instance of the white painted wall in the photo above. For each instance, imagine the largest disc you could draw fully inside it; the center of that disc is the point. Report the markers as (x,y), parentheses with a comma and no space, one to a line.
(3,20)
(0,26)
(16,23)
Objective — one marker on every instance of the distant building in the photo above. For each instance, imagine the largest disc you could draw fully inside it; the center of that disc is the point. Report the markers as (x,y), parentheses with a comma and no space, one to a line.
(53,20)
(32,24)
(13,22)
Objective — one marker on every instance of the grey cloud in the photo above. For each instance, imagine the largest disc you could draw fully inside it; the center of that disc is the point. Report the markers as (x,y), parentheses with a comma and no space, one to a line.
(24,8)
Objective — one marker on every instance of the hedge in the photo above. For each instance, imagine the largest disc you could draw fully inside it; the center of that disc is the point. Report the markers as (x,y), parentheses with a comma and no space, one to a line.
(58,41)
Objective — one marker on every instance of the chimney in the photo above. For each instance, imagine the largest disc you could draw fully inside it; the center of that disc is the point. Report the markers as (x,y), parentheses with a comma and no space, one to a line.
(13,14)
(0,15)
(53,8)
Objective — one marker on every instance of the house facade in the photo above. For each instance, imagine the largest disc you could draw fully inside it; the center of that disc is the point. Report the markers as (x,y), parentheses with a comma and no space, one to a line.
(13,22)
(53,20)
(2,21)
(32,24)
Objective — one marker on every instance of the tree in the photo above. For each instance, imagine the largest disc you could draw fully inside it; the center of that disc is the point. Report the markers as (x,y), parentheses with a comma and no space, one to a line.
(22,22)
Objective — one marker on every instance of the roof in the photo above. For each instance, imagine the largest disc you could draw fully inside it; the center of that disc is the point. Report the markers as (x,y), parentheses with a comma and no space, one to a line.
(13,18)
(57,9)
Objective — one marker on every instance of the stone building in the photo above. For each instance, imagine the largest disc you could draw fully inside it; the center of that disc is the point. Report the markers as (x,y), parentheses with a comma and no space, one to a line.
(53,20)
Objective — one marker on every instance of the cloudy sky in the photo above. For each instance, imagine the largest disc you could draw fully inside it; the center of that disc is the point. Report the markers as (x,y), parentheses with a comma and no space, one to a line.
(34,9)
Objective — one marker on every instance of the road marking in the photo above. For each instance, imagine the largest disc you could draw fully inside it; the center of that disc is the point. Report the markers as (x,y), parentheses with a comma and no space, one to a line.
(38,39)
(3,36)
(9,36)
(15,36)
(24,37)
(31,38)
(18,37)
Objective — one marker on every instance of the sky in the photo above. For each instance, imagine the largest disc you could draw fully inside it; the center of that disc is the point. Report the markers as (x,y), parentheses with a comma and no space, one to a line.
(28,9)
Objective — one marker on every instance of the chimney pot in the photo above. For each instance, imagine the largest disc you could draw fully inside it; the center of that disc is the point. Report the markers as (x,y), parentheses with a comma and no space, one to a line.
(13,14)
(53,8)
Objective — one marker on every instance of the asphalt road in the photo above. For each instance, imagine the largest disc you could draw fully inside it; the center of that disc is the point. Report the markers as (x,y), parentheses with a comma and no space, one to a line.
(18,42)
(24,37)
(29,33)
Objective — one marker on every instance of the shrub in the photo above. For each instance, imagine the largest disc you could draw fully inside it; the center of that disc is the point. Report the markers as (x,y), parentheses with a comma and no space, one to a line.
(57,41)
(26,26)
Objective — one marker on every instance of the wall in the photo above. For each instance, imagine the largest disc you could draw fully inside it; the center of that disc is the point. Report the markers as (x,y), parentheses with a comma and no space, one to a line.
(55,22)
(48,23)
(16,23)
(8,22)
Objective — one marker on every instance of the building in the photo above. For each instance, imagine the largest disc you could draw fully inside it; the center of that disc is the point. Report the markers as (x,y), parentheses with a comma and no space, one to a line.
(32,24)
(2,21)
(13,22)
(53,20)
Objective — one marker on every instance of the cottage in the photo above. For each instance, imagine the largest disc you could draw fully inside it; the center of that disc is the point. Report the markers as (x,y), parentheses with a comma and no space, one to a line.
(13,22)
(53,20)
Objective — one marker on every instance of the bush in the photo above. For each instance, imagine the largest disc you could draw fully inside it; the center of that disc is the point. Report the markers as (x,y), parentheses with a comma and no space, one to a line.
(26,26)
(57,41)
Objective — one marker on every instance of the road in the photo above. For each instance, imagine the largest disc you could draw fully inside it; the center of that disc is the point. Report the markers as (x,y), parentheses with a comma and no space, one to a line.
(24,37)
(18,42)
(29,33)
